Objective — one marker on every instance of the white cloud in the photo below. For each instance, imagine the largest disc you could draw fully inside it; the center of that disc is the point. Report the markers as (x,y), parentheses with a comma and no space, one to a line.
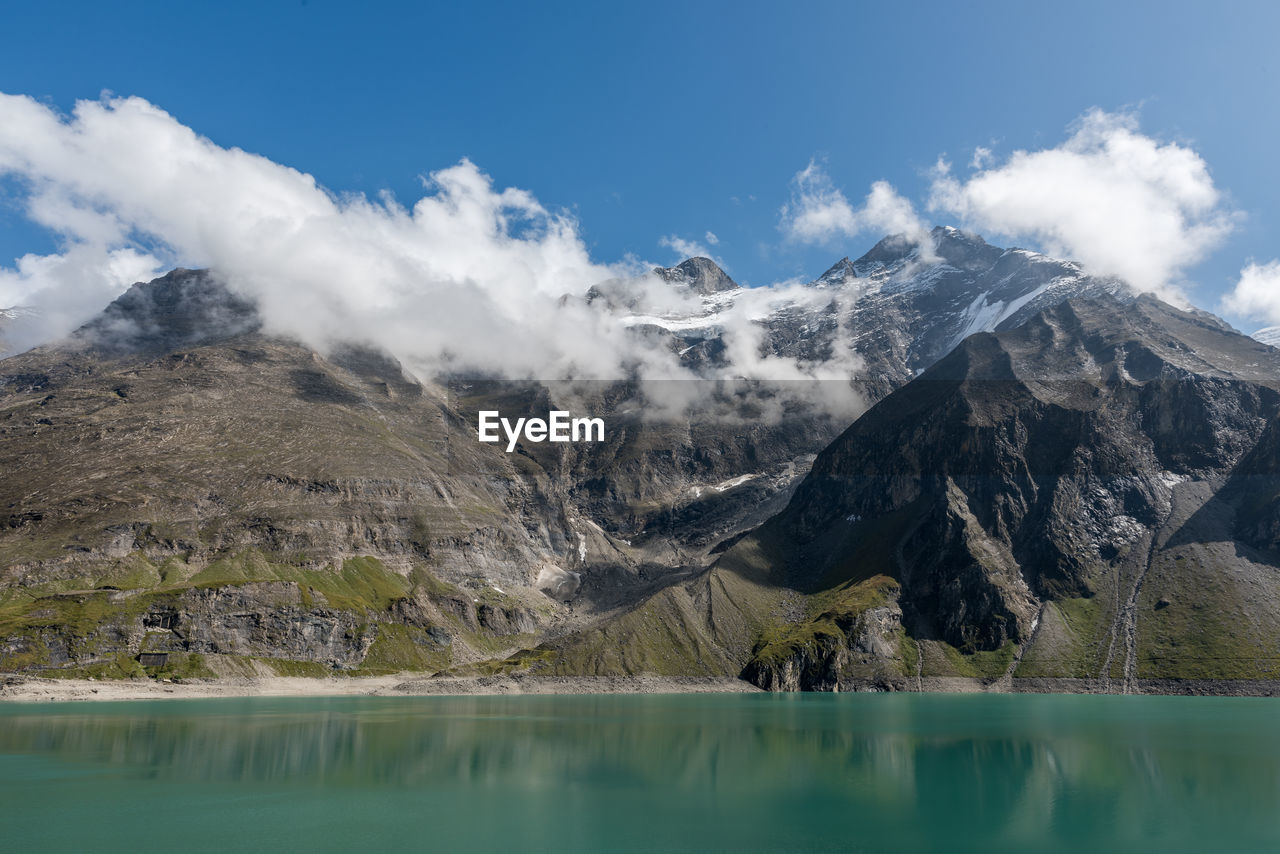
(981,157)
(686,248)
(471,272)
(66,289)
(1257,293)
(820,213)
(711,238)
(817,211)
(470,277)
(1120,202)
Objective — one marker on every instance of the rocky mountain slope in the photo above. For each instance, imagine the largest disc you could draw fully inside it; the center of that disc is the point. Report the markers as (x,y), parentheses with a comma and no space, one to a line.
(873,324)
(1089,495)
(178,482)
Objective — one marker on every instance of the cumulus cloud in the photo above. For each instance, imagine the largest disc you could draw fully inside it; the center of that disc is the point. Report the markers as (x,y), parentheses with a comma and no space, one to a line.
(819,212)
(64,289)
(470,276)
(711,238)
(688,248)
(469,279)
(1120,202)
(1257,293)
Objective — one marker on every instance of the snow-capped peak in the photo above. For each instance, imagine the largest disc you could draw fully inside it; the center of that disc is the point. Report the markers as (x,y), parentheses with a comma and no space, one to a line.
(899,307)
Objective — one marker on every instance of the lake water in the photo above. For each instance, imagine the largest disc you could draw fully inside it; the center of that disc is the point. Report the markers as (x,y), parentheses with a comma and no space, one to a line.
(699,773)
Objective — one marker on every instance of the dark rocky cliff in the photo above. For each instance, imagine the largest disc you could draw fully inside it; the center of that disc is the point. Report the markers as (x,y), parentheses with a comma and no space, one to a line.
(1038,490)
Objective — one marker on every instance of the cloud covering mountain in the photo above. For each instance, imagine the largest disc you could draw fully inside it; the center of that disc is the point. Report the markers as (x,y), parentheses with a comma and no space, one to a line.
(472,277)
(1120,202)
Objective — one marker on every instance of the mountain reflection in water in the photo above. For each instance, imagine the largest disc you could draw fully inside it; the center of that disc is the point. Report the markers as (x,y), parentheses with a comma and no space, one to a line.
(685,772)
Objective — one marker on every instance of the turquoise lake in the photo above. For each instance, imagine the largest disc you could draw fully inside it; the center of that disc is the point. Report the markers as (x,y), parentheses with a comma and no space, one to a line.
(866,772)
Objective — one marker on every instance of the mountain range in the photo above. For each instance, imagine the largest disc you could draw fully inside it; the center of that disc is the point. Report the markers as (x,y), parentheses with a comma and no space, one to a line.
(1036,476)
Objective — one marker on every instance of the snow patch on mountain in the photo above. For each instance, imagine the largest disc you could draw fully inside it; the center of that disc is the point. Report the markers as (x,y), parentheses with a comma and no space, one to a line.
(889,314)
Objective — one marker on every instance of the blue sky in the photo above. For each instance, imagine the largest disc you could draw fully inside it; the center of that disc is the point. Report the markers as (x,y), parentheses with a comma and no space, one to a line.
(658,119)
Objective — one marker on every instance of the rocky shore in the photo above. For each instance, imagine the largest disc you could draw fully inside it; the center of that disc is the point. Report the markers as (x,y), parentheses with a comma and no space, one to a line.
(21,689)
(25,689)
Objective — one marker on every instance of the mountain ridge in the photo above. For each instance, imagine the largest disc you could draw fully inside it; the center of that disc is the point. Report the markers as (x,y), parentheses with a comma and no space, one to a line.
(220,472)
(989,519)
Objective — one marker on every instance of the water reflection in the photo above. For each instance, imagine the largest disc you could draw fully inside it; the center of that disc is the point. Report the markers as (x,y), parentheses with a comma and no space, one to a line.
(907,772)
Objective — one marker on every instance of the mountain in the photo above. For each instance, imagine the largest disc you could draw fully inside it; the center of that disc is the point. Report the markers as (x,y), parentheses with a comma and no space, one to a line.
(699,275)
(184,308)
(1063,468)
(1092,495)
(898,308)
(689,483)
(694,277)
(177,480)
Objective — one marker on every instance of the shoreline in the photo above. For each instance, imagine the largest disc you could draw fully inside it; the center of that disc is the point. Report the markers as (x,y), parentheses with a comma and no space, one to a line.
(37,689)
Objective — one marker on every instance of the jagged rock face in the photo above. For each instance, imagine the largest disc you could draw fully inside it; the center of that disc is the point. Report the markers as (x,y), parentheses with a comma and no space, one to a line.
(1091,495)
(264,619)
(908,313)
(183,308)
(898,308)
(1251,494)
(852,657)
(896,314)
(271,620)
(699,275)
(1016,467)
